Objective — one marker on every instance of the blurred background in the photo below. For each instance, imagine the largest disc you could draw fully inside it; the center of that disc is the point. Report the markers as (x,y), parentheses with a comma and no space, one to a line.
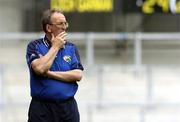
(130,50)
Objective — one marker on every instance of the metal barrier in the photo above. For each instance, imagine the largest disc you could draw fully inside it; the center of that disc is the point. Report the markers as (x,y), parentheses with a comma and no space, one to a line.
(90,37)
(144,106)
(137,67)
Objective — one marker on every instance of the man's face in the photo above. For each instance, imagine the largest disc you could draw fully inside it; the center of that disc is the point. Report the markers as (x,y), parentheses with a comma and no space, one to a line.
(58,23)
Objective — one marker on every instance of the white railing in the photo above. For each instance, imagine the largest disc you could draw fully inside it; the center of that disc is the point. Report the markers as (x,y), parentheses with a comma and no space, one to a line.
(144,106)
(89,39)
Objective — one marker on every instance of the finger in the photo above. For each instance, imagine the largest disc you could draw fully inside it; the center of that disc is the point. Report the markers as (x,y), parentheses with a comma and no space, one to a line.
(63,39)
(64,35)
(60,34)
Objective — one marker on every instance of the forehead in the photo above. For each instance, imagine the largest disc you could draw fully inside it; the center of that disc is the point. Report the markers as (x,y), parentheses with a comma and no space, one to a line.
(57,17)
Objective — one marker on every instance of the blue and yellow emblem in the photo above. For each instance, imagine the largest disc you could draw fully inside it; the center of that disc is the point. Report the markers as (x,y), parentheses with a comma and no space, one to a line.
(67,58)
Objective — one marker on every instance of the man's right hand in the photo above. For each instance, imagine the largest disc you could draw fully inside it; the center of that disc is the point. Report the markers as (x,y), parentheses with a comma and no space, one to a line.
(59,40)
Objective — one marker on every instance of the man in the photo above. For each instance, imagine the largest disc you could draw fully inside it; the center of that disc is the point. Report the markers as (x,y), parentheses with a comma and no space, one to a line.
(55,67)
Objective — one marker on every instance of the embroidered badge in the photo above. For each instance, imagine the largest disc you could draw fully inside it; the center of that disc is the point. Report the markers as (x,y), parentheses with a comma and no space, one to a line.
(67,58)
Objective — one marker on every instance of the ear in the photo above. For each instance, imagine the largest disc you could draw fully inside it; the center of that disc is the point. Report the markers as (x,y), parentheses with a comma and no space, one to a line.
(48,28)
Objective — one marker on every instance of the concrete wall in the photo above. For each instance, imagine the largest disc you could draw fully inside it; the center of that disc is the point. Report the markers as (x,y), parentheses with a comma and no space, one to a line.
(11,15)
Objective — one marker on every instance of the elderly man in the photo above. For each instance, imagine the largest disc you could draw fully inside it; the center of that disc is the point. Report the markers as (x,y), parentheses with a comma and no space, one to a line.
(55,67)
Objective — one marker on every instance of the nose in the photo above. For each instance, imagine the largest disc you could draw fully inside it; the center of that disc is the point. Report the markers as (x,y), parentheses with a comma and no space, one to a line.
(64,28)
